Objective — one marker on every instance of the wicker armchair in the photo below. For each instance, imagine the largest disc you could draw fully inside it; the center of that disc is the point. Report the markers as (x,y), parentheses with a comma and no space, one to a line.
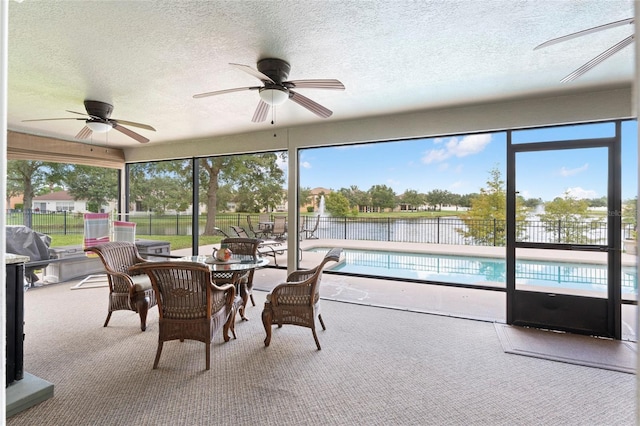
(191,306)
(127,290)
(297,301)
(243,247)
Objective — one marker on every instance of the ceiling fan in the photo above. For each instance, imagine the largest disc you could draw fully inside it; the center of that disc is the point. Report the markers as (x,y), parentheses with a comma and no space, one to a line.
(275,90)
(601,57)
(97,119)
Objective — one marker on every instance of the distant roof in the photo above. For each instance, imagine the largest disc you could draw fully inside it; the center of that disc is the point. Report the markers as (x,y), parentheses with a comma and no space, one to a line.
(320,190)
(55,196)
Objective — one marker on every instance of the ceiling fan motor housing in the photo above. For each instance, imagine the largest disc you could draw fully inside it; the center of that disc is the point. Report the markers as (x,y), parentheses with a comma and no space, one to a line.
(276,69)
(98,109)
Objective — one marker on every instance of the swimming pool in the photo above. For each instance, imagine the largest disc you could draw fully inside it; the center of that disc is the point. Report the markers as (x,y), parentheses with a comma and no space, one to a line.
(479,270)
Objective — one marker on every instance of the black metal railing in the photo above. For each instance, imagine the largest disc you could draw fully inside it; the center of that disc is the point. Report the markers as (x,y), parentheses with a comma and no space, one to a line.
(438,230)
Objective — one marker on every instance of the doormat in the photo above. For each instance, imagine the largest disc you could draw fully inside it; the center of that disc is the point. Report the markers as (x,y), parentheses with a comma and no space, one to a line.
(576,349)
(92,281)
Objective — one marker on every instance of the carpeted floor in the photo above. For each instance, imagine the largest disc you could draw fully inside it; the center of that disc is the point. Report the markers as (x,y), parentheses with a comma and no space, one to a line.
(376,367)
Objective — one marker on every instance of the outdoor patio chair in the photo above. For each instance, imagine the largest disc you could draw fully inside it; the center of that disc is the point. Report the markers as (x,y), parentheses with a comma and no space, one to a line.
(257,233)
(247,247)
(239,231)
(297,301)
(220,231)
(127,290)
(279,228)
(310,233)
(264,222)
(190,304)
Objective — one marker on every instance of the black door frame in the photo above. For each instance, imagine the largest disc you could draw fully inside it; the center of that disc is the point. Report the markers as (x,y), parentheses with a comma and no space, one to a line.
(562,312)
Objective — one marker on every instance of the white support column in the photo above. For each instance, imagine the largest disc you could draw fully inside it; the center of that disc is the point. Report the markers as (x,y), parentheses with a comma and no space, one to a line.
(4,59)
(293,211)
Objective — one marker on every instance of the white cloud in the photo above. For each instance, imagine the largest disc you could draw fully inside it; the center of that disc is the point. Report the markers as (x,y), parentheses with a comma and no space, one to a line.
(282,164)
(305,165)
(572,172)
(458,147)
(580,193)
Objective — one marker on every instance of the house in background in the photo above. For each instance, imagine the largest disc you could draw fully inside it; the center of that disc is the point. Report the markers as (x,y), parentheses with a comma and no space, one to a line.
(15,202)
(62,201)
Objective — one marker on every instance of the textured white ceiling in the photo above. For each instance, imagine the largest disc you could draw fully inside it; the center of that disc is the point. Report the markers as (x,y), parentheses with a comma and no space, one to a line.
(148,58)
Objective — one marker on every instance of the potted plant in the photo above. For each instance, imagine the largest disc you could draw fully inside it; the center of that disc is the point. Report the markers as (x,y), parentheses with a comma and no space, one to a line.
(630,244)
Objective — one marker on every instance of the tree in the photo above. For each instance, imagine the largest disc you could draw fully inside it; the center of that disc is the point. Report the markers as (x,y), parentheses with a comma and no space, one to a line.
(532,203)
(336,204)
(304,196)
(438,197)
(465,200)
(254,182)
(160,186)
(97,185)
(565,217)
(256,179)
(26,177)
(412,198)
(382,197)
(486,219)
(598,202)
(630,211)
(356,196)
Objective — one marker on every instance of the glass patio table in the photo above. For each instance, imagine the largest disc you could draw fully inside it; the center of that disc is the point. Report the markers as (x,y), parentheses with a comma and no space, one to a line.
(231,271)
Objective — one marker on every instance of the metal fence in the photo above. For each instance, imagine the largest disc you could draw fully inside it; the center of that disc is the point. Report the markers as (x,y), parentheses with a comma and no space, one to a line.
(437,230)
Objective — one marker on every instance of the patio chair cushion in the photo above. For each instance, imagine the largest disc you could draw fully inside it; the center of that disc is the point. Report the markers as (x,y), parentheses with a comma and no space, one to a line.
(141,282)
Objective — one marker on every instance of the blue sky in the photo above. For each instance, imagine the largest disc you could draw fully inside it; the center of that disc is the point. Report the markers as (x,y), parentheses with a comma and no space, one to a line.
(461,164)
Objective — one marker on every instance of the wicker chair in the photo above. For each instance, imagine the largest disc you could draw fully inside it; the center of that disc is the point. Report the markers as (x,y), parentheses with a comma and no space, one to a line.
(191,306)
(297,301)
(127,291)
(243,247)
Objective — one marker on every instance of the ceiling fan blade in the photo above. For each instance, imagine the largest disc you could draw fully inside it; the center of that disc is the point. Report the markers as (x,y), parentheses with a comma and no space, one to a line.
(95,117)
(222,92)
(330,84)
(261,112)
(312,106)
(598,59)
(84,133)
(50,119)
(254,72)
(628,21)
(130,133)
(134,124)
(79,113)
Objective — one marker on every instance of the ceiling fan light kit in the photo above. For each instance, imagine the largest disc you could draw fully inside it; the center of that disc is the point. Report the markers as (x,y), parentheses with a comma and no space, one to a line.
(274,95)
(98,126)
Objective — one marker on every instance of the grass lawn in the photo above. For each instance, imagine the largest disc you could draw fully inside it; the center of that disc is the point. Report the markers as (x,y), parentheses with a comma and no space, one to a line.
(177,241)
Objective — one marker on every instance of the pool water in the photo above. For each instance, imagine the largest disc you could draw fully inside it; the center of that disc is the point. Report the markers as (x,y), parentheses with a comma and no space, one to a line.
(479,270)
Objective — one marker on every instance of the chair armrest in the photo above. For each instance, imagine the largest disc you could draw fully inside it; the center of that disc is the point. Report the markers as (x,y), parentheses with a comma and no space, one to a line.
(229,291)
(120,282)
